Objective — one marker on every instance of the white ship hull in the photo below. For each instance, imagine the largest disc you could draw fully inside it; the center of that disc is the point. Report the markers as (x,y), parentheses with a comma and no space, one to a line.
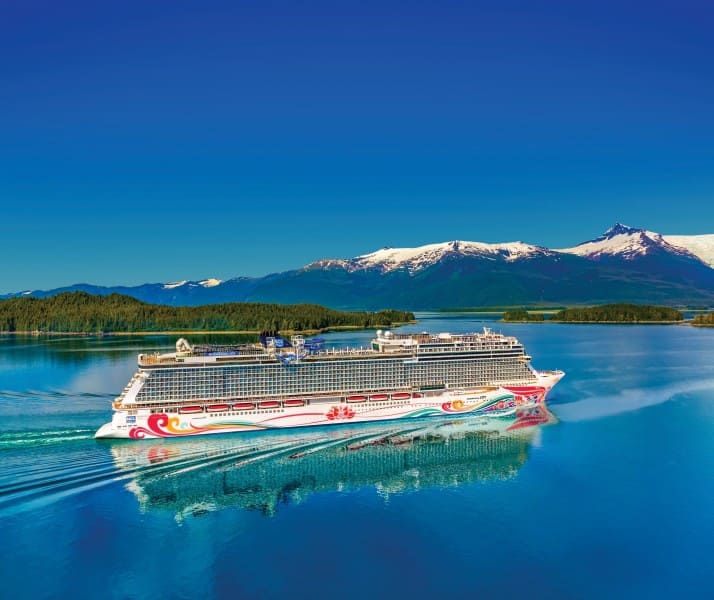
(502,401)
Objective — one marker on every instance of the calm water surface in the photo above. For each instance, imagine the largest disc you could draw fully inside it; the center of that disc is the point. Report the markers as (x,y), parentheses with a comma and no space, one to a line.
(613,499)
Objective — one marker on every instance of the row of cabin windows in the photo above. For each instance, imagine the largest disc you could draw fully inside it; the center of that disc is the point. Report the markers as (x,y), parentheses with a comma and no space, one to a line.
(163,385)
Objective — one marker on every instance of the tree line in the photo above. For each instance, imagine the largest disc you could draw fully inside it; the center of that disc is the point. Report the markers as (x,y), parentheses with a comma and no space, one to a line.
(707,320)
(618,313)
(522,315)
(80,312)
(607,313)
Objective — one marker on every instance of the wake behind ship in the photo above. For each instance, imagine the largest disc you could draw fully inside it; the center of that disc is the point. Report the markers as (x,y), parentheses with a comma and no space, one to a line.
(279,384)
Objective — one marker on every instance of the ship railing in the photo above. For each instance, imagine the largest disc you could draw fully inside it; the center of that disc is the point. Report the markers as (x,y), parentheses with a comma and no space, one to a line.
(361,351)
(316,396)
(433,337)
(155,360)
(149,360)
(466,348)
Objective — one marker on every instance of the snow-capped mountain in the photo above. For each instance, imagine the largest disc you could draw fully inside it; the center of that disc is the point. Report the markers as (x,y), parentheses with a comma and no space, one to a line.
(206,283)
(623,264)
(628,243)
(422,257)
(701,246)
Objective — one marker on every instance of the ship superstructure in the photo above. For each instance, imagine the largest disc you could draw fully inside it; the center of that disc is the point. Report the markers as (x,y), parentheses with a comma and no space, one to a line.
(279,383)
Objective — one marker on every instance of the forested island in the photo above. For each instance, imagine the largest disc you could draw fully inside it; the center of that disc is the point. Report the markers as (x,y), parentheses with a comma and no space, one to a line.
(619,313)
(607,313)
(521,316)
(704,320)
(80,312)
(532,308)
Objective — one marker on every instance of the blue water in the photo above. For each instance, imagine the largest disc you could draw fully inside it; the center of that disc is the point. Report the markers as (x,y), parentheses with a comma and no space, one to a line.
(614,499)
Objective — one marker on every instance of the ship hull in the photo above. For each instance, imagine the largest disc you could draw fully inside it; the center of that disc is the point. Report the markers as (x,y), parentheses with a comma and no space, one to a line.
(501,401)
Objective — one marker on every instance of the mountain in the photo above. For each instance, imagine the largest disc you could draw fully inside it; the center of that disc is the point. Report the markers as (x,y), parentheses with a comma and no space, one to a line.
(624,264)
(701,246)
(627,243)
(630,243)
(422,257)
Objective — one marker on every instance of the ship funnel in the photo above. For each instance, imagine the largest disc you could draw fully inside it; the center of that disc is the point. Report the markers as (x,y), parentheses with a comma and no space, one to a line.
(182,345)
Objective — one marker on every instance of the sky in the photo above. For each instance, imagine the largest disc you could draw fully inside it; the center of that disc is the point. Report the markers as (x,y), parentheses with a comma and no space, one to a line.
(169,140)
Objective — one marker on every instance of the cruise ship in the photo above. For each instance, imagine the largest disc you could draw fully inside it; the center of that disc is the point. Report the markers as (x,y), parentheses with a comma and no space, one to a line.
(277,383)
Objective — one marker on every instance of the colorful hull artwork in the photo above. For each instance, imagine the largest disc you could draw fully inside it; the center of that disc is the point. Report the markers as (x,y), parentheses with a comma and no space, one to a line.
(498,402)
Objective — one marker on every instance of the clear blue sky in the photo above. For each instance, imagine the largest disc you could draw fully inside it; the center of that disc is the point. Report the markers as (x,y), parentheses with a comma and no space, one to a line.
(156,141)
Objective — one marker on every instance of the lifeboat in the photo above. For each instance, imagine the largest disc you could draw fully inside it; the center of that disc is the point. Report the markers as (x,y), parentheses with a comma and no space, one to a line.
(190,409)
(243,406)
(401,396)
(417,395)
(269,404)
(294,403)
(217,407)
(379,397)
(356,398)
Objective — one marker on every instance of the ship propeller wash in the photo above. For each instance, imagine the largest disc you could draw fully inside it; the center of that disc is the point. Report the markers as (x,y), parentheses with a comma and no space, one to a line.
(280,384)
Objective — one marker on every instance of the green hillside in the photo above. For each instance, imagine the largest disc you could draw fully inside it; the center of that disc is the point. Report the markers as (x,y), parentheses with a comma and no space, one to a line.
(80,312)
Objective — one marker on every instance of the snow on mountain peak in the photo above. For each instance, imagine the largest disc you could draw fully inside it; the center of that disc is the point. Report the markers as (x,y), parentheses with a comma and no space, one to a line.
(619,240)
(205,283)
(628,243)
(210,282)
(418,258)
(701,246)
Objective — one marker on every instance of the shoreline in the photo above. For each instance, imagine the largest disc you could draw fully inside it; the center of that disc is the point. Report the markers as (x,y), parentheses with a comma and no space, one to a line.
(610,322)
(204,331)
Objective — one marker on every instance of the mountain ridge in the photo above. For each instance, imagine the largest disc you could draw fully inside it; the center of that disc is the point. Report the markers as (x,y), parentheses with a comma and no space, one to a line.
(622,264)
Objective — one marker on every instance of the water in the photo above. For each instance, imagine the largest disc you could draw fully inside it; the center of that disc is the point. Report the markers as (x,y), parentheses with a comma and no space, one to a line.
(613,499)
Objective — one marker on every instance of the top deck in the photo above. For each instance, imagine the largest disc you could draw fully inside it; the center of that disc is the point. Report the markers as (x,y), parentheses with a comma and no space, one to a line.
(276,349)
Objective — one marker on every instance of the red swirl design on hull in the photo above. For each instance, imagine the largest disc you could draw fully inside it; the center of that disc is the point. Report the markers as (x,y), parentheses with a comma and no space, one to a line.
(157,423)
(527,394)
(162,426)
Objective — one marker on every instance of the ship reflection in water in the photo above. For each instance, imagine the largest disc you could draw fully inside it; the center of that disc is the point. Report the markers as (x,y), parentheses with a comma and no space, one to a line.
(261,471)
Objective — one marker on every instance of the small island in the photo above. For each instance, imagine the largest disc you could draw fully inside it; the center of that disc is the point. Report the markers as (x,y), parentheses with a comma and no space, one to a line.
(523,316)
(619,313)
(83,313)
(607,313)
(704,320)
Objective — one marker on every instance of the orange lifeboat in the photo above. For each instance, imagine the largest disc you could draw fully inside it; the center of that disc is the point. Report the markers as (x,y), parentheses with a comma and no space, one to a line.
(401,396)
(356,398)
(243,406)
(294,403)
(269,404)
(217,407)
(379,397)
(186,410)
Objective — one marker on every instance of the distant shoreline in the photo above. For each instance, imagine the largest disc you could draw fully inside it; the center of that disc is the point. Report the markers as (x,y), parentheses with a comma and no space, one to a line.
(608,322)
(202,331)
